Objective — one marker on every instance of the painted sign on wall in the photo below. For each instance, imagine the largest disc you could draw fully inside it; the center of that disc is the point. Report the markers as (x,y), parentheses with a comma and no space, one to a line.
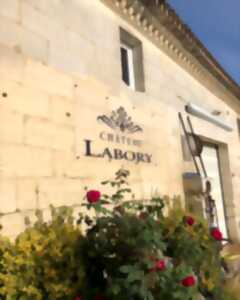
(120,129)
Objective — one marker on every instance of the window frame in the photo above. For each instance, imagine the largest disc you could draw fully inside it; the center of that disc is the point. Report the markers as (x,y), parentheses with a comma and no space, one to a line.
(134,49)
(129,67)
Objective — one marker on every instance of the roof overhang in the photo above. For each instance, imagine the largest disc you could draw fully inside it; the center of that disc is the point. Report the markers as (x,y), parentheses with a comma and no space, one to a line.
(159,22)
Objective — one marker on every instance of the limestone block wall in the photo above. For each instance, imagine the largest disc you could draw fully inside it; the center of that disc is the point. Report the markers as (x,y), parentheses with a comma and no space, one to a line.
(59,57)
(44,121)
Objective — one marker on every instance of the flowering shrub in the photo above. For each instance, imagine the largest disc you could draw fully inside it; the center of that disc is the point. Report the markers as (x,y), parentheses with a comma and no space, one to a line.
(130,251)
(193,244)
(45,262)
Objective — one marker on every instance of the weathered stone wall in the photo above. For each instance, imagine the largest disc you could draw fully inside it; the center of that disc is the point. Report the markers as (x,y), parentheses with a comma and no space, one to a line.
(59,59)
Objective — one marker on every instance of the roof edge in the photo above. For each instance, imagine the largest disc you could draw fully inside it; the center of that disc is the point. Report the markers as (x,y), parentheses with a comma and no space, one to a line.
(190,42)
(159,22)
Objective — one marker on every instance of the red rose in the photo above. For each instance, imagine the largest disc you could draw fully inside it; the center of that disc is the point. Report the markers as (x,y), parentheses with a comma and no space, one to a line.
(190,220)
(216,234)
(93,196)
(189,281)
(160,265)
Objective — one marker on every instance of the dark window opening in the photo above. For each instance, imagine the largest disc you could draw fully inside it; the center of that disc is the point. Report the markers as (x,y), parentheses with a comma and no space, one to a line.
(125,66)
(238,126)
(132,61)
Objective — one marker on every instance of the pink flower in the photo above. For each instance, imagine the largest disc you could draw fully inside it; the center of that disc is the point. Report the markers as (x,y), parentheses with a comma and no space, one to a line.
(189,220)
(189,281)
(93,196)
(78,298)
(216,234)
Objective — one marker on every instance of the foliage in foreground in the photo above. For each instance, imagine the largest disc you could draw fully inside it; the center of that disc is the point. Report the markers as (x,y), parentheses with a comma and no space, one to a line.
(130,250)
(44,261)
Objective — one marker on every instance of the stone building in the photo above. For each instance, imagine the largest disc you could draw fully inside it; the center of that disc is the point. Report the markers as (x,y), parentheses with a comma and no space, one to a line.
(88,86)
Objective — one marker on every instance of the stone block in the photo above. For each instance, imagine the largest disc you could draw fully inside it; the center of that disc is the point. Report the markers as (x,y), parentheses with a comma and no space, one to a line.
(63,110)
(27,194)
(53,9)
(62,162)
(41,132)
(79,17)
(65,62)
(11,63)
(48,79)
(37,21)
(73,50)
(59,192)
(11,126)
(24,161)
(25,41)
(73,54)
(79,45)
(26,100)
(91,19)
(12,224)
(107,68)
(10,9)
(88,90)
(8,196)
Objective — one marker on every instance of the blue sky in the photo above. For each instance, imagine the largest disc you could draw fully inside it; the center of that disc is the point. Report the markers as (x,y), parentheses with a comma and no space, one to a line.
(217,24)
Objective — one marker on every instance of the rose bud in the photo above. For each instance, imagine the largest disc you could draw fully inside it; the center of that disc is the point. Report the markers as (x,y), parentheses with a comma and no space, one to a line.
(189,220)
(216,234)
(189,281)
(160,265)
(93,196)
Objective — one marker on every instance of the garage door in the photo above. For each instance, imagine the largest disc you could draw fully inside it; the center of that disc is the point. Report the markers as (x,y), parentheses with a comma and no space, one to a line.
(211,161)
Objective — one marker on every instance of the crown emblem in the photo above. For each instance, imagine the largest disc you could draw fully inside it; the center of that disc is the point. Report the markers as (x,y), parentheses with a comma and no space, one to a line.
(119,119)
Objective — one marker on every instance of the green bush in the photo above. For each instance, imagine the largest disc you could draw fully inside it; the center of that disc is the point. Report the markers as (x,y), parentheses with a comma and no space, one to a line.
(130,251)
(124,244)
(193,245)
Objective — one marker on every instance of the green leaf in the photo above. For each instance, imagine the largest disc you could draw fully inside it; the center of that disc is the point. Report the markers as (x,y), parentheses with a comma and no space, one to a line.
(125,269)
(135,275)
(115,289)
(104,182)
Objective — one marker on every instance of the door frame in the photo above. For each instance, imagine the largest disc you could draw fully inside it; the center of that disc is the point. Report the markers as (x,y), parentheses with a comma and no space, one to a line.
(215,146)
(227,185)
